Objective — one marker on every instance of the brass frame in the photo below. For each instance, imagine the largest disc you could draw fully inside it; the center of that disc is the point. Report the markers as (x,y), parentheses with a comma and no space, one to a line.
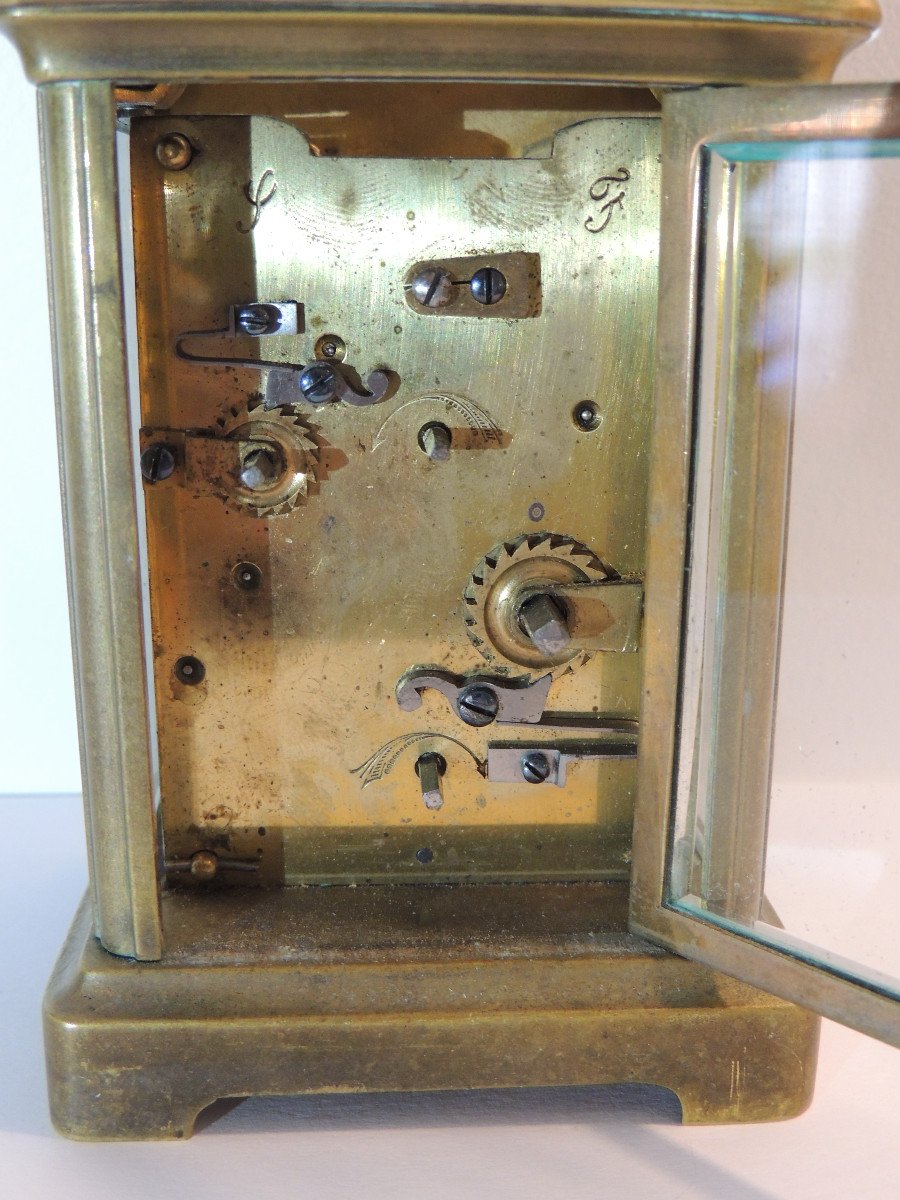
(679,42)
(77,123)
(690,124)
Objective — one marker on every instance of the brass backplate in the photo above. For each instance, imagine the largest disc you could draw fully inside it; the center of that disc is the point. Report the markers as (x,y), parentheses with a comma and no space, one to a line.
(291,755)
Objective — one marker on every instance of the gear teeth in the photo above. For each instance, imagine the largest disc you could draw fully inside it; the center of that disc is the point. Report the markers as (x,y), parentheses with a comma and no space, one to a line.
(236,417)
(500,559)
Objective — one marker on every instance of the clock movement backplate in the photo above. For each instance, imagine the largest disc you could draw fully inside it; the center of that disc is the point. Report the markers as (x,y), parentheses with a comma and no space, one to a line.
(282,626)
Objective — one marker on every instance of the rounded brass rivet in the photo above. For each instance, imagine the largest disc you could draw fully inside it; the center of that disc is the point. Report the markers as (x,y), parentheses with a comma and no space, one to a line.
(174,151)
(331,346)
(204,864)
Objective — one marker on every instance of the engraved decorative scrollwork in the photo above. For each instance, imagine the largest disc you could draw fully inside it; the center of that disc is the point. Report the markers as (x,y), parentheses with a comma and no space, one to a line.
(383,761)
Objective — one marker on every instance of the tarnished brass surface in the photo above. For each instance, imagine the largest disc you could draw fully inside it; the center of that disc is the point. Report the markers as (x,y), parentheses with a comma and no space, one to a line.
(681,41)
(293,751)
(99,511)
(276,990)
(608,617)
(413,988)
(445,119)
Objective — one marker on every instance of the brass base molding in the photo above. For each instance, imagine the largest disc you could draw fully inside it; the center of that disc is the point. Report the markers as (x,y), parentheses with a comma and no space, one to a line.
(419,988)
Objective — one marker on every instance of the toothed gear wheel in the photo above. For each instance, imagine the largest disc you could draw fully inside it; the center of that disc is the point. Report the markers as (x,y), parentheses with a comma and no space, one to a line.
(292,439)
(500,582)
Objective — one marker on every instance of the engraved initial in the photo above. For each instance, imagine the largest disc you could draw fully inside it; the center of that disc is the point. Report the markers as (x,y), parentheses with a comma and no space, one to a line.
(600,191)
(259,198)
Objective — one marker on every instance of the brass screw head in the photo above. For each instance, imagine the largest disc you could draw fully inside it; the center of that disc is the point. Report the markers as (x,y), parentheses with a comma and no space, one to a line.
(204,864)
(174,151)
(331,346)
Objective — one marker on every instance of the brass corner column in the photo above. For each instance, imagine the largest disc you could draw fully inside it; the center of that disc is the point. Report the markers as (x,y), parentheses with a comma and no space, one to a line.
(77,123)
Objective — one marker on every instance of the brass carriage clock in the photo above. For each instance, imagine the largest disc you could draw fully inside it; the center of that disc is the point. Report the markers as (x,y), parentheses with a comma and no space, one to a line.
(375,327)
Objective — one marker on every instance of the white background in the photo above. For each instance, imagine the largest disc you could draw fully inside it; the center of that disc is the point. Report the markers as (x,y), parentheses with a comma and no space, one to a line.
(562,1144)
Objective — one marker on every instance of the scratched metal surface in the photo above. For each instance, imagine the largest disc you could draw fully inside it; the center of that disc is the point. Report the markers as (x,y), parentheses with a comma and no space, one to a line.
(265,759)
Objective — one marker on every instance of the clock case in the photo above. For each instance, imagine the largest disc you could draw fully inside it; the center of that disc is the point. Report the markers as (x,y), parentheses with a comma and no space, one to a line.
(309,976)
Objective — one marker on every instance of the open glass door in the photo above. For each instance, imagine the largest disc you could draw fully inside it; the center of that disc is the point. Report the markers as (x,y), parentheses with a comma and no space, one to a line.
(767,836)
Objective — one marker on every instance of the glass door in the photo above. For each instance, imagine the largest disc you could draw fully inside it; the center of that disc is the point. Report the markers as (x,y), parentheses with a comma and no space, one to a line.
(767,836)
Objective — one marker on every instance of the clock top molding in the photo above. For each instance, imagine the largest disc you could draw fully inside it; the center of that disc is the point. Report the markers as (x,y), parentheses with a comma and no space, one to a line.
(680,43)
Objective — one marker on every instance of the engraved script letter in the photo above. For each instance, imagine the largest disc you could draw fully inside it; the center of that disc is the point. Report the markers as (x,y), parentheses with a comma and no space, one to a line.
(265,191)
(600,191)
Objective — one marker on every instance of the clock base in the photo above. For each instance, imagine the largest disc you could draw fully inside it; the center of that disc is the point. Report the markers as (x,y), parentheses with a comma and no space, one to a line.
(370,989)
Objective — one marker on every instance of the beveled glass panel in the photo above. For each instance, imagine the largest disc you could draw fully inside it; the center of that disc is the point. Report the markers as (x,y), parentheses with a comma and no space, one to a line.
(765,829)
(786,823)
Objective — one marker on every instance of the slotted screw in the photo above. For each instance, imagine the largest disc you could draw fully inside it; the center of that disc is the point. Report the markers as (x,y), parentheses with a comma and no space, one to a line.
(317,383)
(478,705)
(257,319)
(157,462)
(535,767)
(488,285)
(433,287)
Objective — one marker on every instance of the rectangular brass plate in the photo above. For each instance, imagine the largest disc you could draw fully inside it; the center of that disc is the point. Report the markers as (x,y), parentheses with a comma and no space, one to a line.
(265,759)
(521,299)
